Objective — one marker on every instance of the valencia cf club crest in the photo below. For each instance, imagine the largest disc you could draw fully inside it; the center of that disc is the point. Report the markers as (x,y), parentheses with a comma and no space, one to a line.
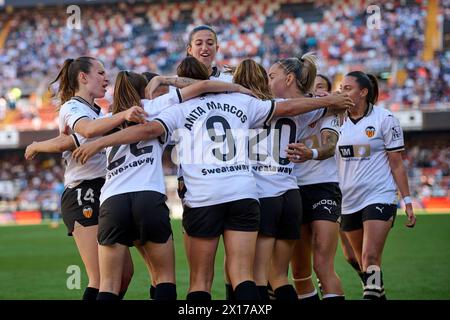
(87,212)
(370,131)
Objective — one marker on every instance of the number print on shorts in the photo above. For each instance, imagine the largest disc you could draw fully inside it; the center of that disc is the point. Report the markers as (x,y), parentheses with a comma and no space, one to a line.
(88,197)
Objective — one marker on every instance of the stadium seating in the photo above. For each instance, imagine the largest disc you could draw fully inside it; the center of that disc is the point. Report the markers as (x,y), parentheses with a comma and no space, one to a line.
(148,36)
(152,36)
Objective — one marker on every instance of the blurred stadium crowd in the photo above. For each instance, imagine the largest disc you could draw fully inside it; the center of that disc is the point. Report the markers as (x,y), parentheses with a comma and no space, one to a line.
(152,37)
(149,36)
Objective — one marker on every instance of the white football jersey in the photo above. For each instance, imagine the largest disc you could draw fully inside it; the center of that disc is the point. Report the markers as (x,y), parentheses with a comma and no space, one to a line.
(138,166)
(317,171)
(218,76)
(273,172)
(212,145)
(73,110)
(364,173)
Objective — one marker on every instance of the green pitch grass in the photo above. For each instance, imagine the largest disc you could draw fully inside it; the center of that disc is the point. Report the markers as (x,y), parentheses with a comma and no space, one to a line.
(34,260)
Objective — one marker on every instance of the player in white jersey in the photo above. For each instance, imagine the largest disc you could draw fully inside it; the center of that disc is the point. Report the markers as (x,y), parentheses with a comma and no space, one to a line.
(202,45)
(210,208)
(80,82)
(323,85)
(317,178)
(120,225)
(278,193)
(288,79)
(189,71)
(370,171)
(132,199)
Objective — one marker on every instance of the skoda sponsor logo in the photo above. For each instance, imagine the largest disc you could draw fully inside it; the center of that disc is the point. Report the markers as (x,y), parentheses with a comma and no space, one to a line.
(325,202)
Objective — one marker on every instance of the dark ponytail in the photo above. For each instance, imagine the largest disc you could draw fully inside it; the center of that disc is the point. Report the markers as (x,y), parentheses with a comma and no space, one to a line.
(366,81)
(374,82)
(190,67)
(68,77)
(149,75)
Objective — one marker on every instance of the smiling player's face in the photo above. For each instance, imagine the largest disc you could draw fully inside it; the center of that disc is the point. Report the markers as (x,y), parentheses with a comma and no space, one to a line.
(204,47)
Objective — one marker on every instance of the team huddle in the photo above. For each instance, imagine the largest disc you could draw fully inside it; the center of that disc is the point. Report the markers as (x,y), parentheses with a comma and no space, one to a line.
(271,161)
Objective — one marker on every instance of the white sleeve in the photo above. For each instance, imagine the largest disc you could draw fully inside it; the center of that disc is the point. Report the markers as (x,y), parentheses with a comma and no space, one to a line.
(392,134)
(330,123)
(260,112)
(72,112)
(170,120)
(75,139)
(309,117)
(155,106)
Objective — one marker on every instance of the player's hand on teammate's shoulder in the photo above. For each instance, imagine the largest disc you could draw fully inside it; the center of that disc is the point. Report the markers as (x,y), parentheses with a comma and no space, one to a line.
(86,151)
(410,215)
(298,153)
(135,114)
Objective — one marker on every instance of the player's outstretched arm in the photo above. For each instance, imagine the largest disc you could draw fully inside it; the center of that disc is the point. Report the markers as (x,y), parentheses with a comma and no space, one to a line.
(89,128)
(59,144)
(298,152)
(401,179)
(293,107)
(129,135)
(155,82)
(211,86)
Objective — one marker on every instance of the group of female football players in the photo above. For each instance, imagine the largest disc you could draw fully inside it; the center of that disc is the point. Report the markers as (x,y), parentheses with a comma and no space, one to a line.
(272,161)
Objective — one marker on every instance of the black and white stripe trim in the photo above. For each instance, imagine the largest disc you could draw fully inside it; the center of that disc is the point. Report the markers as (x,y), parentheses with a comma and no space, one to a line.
(75,140)
(271,112)
(180,97)
(373,291)
(94,107)
(166,129)
(73,126)
(395,149)
(330,129)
